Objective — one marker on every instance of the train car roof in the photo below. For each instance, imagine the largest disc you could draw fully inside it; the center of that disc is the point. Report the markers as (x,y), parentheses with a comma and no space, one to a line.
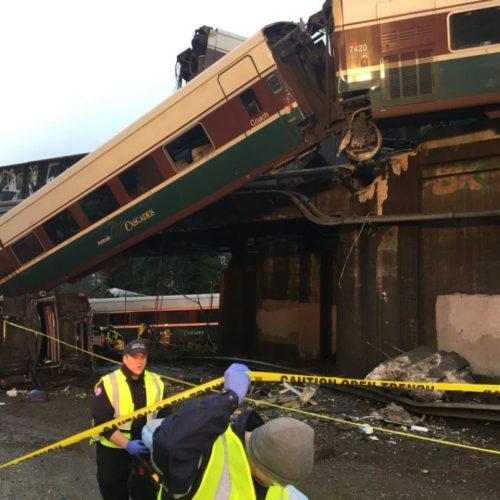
(348,13)
(152,303)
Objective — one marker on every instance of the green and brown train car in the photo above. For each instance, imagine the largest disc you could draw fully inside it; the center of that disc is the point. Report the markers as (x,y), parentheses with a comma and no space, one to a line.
(249,112)
(403,62)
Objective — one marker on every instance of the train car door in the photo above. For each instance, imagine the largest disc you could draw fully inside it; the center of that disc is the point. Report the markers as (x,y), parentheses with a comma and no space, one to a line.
(241,74)
(408,39)
(50,352)
(74,327)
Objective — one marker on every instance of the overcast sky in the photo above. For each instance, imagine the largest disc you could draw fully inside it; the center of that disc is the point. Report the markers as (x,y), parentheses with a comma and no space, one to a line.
(74,73)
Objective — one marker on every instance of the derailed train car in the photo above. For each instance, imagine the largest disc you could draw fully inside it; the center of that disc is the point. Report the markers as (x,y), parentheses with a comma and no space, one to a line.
(25,356)
(400,62)
(249,112)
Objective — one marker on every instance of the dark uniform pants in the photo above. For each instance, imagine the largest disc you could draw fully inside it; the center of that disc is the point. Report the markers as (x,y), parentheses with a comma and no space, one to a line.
(117,478)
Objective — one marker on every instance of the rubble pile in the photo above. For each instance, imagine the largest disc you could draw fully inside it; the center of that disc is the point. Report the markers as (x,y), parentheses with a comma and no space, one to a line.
(424,364)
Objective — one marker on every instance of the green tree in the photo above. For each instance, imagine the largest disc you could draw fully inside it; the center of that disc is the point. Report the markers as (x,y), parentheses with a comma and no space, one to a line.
(194,273)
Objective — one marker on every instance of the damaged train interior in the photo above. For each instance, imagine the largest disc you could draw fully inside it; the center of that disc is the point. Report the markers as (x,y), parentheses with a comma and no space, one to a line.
(60,319)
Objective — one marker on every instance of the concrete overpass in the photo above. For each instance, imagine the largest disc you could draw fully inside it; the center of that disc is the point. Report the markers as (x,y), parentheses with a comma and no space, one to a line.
(387,257)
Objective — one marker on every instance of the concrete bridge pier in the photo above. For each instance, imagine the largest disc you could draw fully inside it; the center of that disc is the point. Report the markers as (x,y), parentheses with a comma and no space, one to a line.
(278,301)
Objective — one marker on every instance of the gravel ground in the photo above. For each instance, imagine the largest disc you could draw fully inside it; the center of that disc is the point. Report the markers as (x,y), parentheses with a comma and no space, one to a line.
(349,465)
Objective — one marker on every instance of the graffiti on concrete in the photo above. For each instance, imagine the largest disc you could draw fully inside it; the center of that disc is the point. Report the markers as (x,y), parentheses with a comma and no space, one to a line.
(11,181)
(460,177)
(22,180)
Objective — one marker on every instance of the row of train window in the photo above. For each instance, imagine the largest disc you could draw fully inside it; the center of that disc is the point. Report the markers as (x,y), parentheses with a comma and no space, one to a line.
(202,316)
(136,180)
(96,205)
(188,148)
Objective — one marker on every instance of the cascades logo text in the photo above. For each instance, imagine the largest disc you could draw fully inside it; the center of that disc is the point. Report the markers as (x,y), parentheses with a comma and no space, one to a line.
(132,223)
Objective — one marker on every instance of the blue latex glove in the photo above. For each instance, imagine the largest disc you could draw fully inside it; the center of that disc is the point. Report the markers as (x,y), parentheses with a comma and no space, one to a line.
(237,379)
(137,447)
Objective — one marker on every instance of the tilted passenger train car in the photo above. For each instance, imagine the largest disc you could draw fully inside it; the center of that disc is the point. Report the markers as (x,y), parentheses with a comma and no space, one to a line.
(244,115)
(401,61)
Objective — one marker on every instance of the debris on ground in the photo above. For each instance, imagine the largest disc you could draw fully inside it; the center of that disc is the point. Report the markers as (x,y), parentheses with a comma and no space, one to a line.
(419,428)
(424,364)
(308,392)
(366,429)
(37,396)
(395,414)
(284,397)
(348,461)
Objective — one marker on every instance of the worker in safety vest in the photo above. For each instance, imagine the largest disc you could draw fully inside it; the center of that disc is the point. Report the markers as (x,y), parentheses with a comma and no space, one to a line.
(117,394)
(145,332)
(114,339)
(201,456)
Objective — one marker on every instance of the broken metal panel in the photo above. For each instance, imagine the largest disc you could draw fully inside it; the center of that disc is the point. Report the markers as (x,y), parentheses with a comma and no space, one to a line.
(62,318)
(18,349)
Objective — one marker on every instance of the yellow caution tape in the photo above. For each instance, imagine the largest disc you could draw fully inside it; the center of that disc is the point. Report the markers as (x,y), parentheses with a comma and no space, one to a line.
(266,377)
(320,379)
(30,330)
(385,384)
(383,429)
(90,353)
(98,429)
(197,390)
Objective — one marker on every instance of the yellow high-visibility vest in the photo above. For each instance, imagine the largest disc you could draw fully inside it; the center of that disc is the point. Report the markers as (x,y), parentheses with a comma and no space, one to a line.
(228,477)
(118,392)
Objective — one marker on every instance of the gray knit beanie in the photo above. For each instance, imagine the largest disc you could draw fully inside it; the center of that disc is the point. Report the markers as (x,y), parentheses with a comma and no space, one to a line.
(283,449)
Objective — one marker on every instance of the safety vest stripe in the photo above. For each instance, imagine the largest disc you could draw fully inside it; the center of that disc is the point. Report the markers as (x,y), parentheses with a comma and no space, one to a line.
(115,393)
(117,400)
(224,486)
(159,394)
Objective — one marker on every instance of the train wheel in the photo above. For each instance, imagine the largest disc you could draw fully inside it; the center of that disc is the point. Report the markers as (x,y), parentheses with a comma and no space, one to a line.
(365,139)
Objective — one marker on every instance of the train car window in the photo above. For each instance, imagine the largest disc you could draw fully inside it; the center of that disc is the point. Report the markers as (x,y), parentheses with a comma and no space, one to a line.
(61,227)
(190,147)
(27,248)
(146,317)
(251,103)
(119,319)
(100,319)
(274,84)
(176,317)
(207,316)
(140,178)
(98,203)
(6,266)
(475,28)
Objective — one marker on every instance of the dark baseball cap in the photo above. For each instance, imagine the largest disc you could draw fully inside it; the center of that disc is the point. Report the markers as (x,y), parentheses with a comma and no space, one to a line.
(136,346)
